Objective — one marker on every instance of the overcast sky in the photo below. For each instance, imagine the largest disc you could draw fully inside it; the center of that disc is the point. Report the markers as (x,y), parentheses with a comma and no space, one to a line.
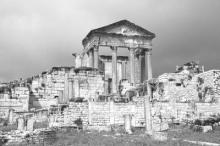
(36,35)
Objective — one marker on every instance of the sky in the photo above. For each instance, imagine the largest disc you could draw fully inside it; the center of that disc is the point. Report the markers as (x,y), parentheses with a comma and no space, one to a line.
(36,35)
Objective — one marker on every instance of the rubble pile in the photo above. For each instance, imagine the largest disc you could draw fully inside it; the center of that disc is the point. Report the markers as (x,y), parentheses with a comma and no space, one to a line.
(35,137)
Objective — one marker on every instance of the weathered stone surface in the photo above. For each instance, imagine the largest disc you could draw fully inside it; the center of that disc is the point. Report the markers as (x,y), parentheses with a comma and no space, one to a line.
(206,129)
(21,124)
(159,136)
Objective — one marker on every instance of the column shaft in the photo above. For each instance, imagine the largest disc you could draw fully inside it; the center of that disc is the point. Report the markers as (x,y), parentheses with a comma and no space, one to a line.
(142,66)
(96,57)
(148,115)
(123,66)
(114,69)
(149,67)
(70,89)
(91,58)
(76,88)
(66,88)
(73,89)
(132,66)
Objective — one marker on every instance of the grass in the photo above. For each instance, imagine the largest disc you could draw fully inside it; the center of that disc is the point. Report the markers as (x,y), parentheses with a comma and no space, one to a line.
(37,125)
(138,138)
(94,138)
(184,132)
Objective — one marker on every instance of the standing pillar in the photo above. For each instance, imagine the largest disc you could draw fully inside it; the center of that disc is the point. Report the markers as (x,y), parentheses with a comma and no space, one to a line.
(114,69)
(10,116)
(61,96)
(132,66)
(142,66)
(149,67)
(73,90)
(70,89)
(21,124)
(76,88)
(91,58)
(66,88)
(148,115)
(123,65)
(96,56)
(30,124)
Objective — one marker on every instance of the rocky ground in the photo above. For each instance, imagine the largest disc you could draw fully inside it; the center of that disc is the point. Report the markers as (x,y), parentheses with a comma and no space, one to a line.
(176,136)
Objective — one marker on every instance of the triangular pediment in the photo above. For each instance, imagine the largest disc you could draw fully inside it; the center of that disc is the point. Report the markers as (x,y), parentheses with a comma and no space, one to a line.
(123,27)
(122,33)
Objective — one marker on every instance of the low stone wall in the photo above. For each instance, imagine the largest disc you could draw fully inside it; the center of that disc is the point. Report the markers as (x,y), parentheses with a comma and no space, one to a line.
(76,111)
(181,112)
(105,114)
(7,104)
(100,114)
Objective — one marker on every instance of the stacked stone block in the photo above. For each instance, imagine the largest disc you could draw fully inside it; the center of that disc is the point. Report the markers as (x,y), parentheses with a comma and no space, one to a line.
(76,111)
(88,85)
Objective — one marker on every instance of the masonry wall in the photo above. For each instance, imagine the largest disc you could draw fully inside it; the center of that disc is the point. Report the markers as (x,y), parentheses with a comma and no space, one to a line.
(18,101)
(22,95)
(105,114)
(50,87)
(184,111)
(88,85)
(101,114)
(184,87)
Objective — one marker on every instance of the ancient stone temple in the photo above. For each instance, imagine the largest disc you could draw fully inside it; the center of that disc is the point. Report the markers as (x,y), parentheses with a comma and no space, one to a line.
(117,36)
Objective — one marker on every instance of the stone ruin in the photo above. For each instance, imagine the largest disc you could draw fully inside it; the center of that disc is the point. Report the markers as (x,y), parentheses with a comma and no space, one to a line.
(103,91)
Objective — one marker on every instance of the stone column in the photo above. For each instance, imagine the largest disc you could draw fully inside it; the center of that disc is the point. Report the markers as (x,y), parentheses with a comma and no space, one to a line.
(96,56)
(66,87)
(76,88)
(132,65)
(149,67)
(142,66)
(30,124)
(91,58)
(60,99)
(114,69)
(21,123)
(127,121)
(148,115)
(10,116)
(123,66)
(70,89)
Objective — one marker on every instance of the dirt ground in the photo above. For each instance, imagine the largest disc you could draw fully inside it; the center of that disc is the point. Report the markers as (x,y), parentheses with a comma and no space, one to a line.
(138,138)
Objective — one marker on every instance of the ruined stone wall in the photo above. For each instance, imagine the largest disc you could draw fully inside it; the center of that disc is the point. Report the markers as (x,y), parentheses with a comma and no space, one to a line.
(182,112)
(101,114)
(106,114)
(76,111)
(185,87)
(50,87)
(7,104)
(18,101)
(88,85)
(22,94)
(211,79)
